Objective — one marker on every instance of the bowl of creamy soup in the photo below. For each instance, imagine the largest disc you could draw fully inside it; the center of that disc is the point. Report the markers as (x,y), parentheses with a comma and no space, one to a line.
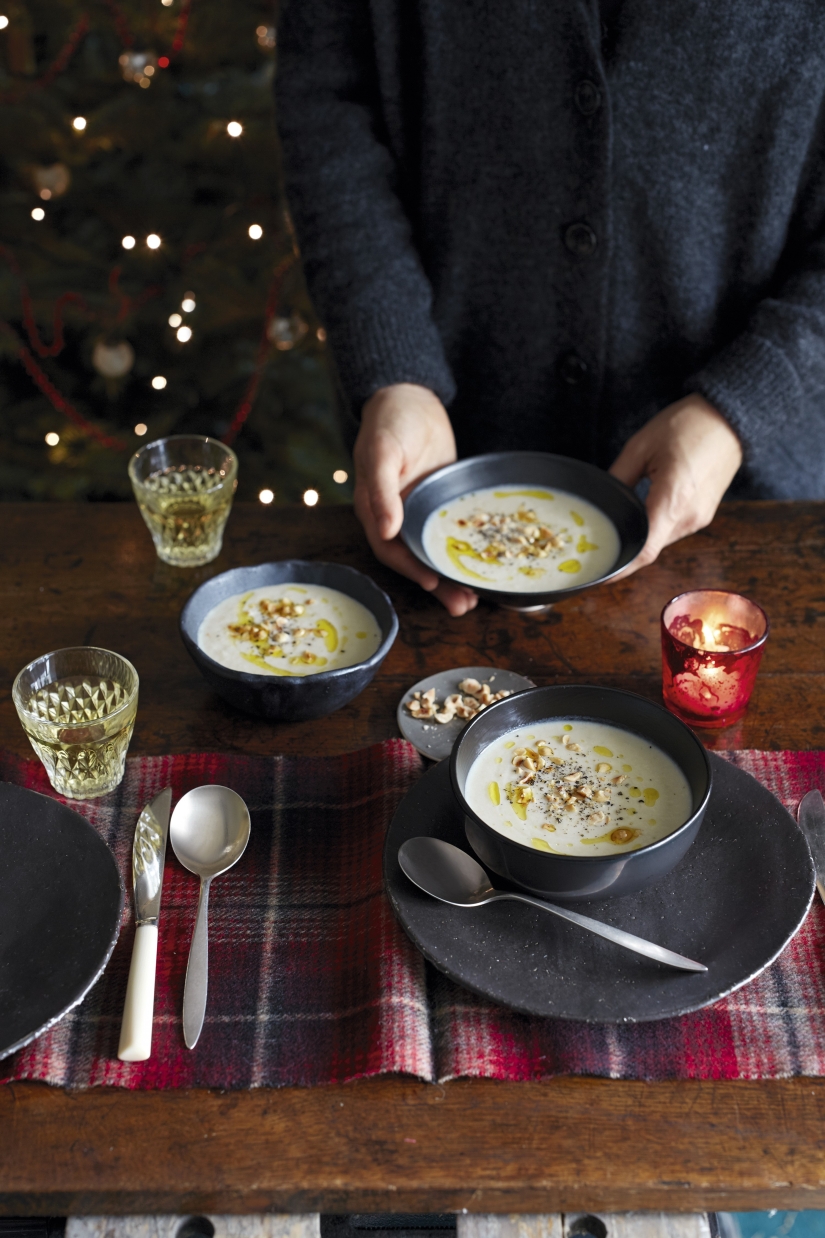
(524,528)
(291,640)
(579,792)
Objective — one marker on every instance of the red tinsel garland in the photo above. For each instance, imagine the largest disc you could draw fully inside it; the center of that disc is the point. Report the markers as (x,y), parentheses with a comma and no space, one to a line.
(245,406)
(127,304)
(121,23)
(66,298)
(58,65)
(180,31)
(78,33)
(55,397)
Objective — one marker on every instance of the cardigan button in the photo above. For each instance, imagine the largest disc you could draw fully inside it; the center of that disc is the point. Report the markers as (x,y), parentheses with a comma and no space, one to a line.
(588,98)
(572,369)
(580,239)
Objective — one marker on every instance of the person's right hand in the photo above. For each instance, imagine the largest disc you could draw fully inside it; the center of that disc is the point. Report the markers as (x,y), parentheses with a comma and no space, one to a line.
(405,434)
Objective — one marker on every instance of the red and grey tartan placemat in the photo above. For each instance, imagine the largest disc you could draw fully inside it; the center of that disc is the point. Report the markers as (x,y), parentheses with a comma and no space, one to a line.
(313,981)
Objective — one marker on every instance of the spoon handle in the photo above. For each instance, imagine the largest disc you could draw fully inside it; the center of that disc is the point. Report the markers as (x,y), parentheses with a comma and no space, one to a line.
(197,972)
(629,940)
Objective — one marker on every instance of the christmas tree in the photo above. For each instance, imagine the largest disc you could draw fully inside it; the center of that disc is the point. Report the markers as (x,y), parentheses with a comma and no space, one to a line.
(149,280)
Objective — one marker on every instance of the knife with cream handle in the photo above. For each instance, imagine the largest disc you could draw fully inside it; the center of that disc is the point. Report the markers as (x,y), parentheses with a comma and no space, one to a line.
(811,819)
(148,855)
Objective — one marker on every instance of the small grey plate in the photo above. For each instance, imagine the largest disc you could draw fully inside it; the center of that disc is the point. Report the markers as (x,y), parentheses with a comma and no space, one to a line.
(734,902)
(435,739)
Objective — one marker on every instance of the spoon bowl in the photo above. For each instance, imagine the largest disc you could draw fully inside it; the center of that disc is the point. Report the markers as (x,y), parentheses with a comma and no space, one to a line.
(452,876)
(209,831)
(445,872)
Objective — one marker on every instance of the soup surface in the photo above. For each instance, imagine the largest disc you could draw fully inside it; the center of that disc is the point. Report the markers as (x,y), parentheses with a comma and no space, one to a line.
(289,629)
(521,539)
(578,788)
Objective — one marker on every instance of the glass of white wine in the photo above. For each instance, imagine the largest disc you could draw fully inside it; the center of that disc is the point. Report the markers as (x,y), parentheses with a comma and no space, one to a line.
(184,486)
(77,707)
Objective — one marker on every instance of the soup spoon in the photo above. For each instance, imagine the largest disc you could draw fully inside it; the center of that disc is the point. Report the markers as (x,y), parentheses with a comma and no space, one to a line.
(451,875)
(209,831)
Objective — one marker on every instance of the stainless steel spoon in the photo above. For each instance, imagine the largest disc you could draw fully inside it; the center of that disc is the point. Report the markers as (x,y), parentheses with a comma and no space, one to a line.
(451,875)
(209,831)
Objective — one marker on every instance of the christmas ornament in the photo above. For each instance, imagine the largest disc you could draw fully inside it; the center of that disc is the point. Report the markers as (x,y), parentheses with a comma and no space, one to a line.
(285,333)
(138,67)
(51,181)
(113,360)
(267,36)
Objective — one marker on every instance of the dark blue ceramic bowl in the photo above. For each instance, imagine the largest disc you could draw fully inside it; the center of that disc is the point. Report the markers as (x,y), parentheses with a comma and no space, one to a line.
(575,877)
(536,468)
(280,697)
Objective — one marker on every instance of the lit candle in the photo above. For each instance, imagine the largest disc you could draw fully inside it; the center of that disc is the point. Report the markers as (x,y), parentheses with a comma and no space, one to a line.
(712,643)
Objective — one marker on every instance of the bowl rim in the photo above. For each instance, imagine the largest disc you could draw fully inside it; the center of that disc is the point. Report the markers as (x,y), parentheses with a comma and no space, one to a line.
(583,859)
(489,590)
(254,680)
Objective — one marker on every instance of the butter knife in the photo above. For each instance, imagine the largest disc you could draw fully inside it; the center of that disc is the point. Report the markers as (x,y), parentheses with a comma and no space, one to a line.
(811,817)
(148,856)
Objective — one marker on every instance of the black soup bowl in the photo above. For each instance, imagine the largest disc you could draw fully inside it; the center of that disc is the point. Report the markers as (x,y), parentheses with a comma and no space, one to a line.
(288,698)
(575,877)
(534,468)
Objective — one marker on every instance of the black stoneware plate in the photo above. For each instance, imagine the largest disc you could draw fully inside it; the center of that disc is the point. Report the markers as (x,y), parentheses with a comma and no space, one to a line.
(61,899)
(734,902)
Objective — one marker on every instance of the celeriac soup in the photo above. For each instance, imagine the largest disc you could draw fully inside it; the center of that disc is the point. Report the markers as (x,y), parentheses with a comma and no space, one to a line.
(289,629)
(521,539)
(578,787)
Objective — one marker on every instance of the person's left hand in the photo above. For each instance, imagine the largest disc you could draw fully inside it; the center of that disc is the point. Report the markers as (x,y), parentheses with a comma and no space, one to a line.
(691,455)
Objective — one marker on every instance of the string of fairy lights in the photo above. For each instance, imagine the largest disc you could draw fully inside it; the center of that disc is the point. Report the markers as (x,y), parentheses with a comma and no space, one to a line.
(115,360)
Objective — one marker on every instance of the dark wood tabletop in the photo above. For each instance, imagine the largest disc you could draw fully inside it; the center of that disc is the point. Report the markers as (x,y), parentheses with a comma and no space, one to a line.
(75,574)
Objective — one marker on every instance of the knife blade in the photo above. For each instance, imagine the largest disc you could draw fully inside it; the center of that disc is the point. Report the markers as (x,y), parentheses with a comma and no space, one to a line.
(148,857)
(811,817)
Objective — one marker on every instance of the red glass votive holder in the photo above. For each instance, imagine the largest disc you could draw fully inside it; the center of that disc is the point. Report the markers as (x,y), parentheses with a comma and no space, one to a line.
(712,644)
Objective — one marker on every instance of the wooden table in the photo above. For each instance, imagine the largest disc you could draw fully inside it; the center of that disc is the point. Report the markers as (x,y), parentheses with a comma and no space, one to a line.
(87,575)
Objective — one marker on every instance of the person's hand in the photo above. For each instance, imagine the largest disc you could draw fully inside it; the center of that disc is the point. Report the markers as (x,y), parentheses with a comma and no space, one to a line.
(405,434)
(691,455)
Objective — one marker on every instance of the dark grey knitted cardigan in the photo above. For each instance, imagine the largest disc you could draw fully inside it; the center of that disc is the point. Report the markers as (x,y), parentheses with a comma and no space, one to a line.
(560,240)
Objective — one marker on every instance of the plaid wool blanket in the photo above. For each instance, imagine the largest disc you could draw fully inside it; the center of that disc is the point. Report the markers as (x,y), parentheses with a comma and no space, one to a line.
(313,981)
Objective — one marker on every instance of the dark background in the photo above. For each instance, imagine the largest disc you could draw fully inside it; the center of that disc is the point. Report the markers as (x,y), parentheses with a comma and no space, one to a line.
(84,322)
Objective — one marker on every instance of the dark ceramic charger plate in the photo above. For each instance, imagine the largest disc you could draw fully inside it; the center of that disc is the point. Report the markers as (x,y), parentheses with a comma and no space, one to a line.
(734,902)
(534,468)
(61,899)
